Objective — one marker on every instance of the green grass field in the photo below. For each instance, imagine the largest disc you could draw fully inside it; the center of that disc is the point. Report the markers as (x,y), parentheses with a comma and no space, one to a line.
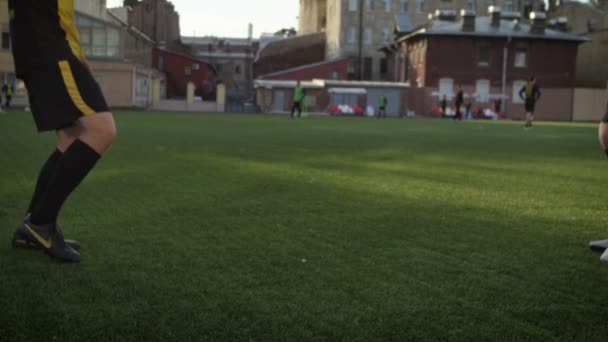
(260,228)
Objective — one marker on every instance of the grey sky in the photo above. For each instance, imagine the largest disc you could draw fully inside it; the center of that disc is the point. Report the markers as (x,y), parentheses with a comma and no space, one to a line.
(230,18)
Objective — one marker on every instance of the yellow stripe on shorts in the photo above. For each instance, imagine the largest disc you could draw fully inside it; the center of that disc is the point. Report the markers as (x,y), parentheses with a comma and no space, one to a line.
(70,84)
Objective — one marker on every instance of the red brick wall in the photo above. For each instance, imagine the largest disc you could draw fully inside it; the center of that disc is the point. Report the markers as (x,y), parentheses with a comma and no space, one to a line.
(552,62)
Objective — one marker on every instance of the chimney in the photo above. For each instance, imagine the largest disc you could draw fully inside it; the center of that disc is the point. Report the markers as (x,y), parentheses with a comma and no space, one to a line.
(445,14)
(537,22)
(494,12)
(467,18)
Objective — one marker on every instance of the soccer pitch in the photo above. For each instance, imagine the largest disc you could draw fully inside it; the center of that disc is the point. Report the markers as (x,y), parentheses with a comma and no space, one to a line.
(261,228)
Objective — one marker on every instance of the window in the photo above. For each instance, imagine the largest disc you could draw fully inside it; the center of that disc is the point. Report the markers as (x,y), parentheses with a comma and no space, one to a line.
(352,5)
(517,85)
(483,55)
(368,36)
(369,5)
(352,35)
(335,75)
(446,88)
(387,5)
(509,6)
(521,58)
(383,67)
(420,6)
(237,69)
(404,70)
(99,39)
(6,41)
(386,35)
(367,68)
(482,90)
(161,63)
(470,5)
(403,6)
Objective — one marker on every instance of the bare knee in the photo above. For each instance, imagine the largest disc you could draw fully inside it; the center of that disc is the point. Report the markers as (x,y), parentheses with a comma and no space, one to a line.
(603,135)
(99,131)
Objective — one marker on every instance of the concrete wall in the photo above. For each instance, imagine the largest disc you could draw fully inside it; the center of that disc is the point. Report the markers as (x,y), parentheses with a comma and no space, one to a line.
(313,15)
(590,104)
(125,84)
(592,68)
(579,16)
(94,8)
(157,19)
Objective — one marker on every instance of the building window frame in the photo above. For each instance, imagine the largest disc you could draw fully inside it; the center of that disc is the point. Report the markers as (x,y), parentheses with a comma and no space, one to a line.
(404,6)
(352,35)
(387,5)
(368,36)
(353,5)
(420,6)
(484,55)
(520,59)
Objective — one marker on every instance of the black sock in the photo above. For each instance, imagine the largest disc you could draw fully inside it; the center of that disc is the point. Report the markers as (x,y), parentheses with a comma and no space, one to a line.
(76,163)
(44,177)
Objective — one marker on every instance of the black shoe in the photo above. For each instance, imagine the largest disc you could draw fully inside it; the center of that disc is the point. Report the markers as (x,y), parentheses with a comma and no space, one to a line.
(49,238)
(21,239)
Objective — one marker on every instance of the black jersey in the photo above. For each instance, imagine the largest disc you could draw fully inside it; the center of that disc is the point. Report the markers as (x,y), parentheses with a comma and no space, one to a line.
(42,32)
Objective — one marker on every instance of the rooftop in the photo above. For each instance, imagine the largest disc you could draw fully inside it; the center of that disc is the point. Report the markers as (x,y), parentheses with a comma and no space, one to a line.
(483,28)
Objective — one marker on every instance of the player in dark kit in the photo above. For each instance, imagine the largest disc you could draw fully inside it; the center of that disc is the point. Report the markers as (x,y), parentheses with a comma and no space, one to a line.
(64,98)
(602,245)
(530,93)
(458,103)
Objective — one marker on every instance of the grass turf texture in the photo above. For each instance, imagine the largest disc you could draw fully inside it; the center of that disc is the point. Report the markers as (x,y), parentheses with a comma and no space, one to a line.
(259,228)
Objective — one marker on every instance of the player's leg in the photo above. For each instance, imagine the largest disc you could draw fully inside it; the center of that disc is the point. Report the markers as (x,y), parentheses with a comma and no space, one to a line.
(603,134)
(85,130)
(602,245)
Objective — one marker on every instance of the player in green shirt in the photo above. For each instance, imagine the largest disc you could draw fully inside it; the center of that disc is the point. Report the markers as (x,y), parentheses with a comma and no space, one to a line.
(298,99)
(383,101)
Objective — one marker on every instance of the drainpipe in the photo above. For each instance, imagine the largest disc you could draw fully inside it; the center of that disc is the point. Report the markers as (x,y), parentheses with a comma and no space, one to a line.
(360,53)
(134,84)
(504,75)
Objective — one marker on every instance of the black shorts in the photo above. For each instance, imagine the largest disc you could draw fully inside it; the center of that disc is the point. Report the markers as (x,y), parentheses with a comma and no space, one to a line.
(62,93)
(530,105)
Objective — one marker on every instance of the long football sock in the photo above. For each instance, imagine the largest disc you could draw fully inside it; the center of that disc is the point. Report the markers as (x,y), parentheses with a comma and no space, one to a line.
(72,168)
(44,177)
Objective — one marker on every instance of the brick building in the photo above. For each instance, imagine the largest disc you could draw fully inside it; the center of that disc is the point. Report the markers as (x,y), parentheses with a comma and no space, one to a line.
(182,69)
(429,61)
(357,28)
(232,58)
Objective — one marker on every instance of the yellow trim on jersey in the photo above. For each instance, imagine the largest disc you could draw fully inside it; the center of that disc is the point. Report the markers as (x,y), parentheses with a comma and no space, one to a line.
(66,21)
(70,84)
